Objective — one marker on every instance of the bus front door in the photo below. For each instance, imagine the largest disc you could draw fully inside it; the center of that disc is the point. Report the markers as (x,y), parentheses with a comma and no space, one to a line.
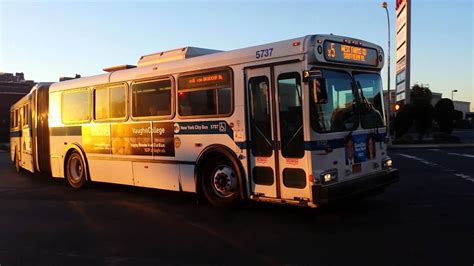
(275,122)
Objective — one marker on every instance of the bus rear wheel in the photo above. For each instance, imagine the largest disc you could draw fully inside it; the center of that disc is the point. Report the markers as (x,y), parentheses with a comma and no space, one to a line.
(75,170)
(220,183)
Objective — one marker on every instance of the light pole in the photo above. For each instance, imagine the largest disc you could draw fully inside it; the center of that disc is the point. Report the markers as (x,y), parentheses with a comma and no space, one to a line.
(389,94)
(452,94)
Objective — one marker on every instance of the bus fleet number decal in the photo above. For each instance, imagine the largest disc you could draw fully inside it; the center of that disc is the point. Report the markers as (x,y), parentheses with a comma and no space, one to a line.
(263,53)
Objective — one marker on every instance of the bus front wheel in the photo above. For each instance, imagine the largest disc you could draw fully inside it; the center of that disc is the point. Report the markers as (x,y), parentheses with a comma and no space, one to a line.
(220,182)
(75,170)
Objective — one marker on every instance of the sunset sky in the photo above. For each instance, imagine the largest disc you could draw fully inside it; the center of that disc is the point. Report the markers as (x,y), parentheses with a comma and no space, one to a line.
(49,39)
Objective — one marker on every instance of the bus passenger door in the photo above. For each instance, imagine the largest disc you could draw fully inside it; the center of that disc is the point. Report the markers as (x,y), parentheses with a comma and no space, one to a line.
(278,161)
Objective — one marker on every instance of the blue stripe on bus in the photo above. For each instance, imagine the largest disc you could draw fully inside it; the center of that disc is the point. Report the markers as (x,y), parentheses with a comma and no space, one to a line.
(66,131)
(216,127)
(242,144)
(14,134)
(185,128)
(204,127)
(317,145)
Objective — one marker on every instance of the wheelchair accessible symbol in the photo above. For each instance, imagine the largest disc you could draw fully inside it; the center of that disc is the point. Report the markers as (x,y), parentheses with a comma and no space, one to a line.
(222,127)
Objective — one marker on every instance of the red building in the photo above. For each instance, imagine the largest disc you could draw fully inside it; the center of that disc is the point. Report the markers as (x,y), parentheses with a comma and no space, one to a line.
(12,88)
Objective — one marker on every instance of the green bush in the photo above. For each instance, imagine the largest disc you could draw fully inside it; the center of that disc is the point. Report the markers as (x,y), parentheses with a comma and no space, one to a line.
(422,110)
(445,115)
(403,121)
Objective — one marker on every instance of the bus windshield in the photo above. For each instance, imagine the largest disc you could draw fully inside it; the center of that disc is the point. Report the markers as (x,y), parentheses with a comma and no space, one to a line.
(370,88)
(338,114)
(345,93)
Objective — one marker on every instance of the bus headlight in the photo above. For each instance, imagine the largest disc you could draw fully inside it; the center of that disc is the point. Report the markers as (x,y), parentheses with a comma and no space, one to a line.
(387,163)
(328,176)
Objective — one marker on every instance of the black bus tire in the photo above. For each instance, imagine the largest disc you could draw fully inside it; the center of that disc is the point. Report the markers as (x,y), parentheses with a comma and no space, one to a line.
(220,182)
(75,170)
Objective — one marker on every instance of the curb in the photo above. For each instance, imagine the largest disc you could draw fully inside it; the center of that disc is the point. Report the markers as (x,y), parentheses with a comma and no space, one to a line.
(431,146)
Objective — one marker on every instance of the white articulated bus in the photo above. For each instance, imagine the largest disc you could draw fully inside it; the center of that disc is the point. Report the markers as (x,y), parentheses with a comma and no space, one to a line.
(29,131)
(299,121)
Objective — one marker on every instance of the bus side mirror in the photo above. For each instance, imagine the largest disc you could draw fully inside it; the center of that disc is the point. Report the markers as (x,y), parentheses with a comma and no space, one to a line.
(320,93)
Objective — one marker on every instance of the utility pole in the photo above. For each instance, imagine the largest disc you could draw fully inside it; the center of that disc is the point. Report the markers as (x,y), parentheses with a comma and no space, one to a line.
(452,94)
(389,94)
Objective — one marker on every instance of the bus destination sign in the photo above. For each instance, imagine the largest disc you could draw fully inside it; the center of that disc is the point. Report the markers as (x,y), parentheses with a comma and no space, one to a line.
(209,80)
(344,53)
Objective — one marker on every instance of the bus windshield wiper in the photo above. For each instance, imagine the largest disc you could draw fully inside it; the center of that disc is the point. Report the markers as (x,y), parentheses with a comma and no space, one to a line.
(369,109)
(357,102)
(362,100)
(354,109)
(359,88)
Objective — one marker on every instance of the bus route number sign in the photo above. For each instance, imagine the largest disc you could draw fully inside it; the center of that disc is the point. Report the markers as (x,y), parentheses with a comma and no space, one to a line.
(263,53)
(344,53)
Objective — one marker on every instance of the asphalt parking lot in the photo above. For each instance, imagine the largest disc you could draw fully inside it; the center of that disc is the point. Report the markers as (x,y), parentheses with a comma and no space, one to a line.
(425,219)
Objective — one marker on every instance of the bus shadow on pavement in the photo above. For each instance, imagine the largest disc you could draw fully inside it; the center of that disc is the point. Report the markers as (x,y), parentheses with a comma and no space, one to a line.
(189,204)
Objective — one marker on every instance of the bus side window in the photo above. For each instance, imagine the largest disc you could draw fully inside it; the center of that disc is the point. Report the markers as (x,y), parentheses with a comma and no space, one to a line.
(206,94)
(25,115)
(118,101)
(20,115)
(15,118)
(152,98)
(75,106)
(110,102)
(101,104)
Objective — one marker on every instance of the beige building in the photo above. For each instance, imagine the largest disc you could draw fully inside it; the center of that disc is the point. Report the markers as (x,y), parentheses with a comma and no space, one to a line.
(12,88)
(464,107)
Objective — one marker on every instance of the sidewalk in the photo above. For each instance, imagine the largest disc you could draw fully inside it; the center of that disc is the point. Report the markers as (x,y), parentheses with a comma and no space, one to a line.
(431,146)
(465,137)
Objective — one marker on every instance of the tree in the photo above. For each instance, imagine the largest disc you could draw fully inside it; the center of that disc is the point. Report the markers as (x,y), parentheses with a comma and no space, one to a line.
(422,110)
(403,120)
(445,115)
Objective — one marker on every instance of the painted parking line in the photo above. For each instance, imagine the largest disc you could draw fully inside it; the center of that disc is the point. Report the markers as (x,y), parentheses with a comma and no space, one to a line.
(461,154)
(421,160)
(466,177)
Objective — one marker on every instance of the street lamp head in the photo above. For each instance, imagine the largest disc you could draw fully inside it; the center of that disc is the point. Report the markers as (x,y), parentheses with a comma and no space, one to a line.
(384,4)
(455,90)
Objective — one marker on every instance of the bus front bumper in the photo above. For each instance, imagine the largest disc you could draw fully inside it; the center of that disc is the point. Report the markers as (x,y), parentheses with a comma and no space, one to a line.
(324,195)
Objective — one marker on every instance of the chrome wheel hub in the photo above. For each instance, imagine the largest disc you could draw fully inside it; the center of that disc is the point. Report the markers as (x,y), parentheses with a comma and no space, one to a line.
(76,169)
(224,181)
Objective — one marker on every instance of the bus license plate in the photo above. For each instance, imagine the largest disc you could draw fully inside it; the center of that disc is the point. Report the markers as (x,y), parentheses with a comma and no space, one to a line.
(356,168)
